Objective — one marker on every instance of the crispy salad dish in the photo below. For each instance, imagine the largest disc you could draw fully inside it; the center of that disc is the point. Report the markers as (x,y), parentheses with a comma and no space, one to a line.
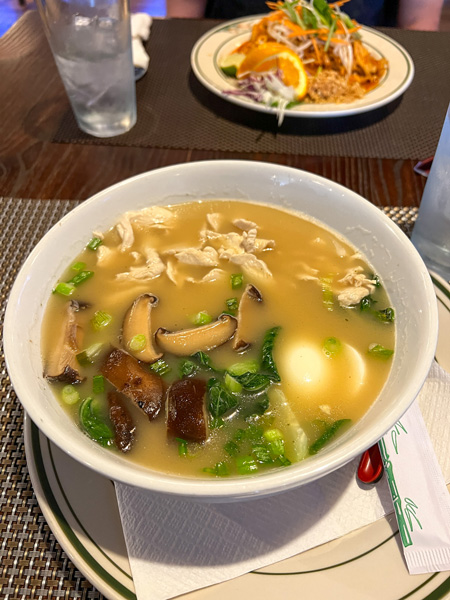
(304,51)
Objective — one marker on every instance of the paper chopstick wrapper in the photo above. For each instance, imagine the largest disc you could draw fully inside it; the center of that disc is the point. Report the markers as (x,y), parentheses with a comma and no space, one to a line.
(176,546)
(419,494)
(140,32)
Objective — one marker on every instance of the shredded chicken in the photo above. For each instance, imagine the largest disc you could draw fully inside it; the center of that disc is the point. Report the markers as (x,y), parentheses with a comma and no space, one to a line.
(153,267)
(211,276)
(194,256)
(214,220)
(350,296)
(251,243)
(126,233)
(254,267)
(355,277)
(171,272)
(244,224)
(104,255)
(153,216)
(358,287)
(222,241)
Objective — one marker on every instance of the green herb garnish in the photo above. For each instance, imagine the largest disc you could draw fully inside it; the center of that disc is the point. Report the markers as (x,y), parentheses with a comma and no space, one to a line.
(267,360)
(328,434)
(98,384)
(220,401)
(92,423)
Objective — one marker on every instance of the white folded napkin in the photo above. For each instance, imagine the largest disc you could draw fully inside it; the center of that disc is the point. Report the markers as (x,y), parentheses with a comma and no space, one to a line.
(178,546)
(140,31)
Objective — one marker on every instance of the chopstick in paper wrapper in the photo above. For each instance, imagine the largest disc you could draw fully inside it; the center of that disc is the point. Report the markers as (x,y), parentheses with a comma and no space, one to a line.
(420,496)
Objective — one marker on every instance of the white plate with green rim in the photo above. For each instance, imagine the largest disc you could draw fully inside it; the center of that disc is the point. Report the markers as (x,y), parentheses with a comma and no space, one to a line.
(217,43)
(81,509)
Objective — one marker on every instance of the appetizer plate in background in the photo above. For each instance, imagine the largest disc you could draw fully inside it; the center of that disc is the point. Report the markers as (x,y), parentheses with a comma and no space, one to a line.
(87,525)
(222,40)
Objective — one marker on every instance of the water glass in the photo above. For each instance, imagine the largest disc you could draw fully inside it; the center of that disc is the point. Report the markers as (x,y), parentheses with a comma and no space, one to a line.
(91,44)
(431,233)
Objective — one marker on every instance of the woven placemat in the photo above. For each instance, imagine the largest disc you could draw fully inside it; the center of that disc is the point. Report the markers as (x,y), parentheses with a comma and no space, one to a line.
(176,111)
(32,563)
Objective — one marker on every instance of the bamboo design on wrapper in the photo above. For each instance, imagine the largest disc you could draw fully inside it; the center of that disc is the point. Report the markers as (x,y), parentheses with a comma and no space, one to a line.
(402,526)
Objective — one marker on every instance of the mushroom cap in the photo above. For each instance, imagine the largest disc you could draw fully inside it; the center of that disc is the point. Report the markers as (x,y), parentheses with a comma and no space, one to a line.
(189,341)
(129,377)
(186,416)
(137,321)
(61,364)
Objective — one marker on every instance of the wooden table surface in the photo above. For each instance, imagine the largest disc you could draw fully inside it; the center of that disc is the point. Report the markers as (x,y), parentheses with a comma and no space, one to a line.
(33,100)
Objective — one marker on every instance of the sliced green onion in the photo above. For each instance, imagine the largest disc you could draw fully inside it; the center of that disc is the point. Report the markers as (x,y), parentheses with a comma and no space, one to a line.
(80,277)
(332,346)
(182,447)
(277,447)
(273,434)
(138,342)
(88,356)
(327,293)
(100,320)
(262,454)
(246,465)
(330,35)
(232,305)
(201,318)
(246,366)
(237,279)
(160,367)
(94,243)
(380,351)
(232,384)
(64,289)
(98,384)
(78,266)
(70,395)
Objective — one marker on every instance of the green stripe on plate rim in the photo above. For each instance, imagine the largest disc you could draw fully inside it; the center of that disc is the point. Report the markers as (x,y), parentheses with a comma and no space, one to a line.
(64,525)
(436,594)
(87,534)
(224,28)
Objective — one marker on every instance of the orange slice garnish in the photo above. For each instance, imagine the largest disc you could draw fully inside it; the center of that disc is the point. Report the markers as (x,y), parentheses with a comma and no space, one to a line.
(273,56)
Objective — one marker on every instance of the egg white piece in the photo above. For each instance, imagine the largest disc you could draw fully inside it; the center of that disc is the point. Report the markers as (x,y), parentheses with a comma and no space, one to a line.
(310,376)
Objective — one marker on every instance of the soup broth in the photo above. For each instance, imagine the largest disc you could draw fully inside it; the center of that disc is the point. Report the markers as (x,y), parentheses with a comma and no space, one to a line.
(315,333)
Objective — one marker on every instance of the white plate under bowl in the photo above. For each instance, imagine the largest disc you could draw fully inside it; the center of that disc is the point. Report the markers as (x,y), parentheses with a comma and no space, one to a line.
(214,45)
(364,565)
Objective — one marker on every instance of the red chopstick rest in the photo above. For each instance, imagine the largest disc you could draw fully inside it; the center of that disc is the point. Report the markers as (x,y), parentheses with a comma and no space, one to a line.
(370,469)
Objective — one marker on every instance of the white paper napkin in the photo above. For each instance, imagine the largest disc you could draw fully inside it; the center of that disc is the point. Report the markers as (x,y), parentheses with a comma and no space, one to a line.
(178,546)
(140,32)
